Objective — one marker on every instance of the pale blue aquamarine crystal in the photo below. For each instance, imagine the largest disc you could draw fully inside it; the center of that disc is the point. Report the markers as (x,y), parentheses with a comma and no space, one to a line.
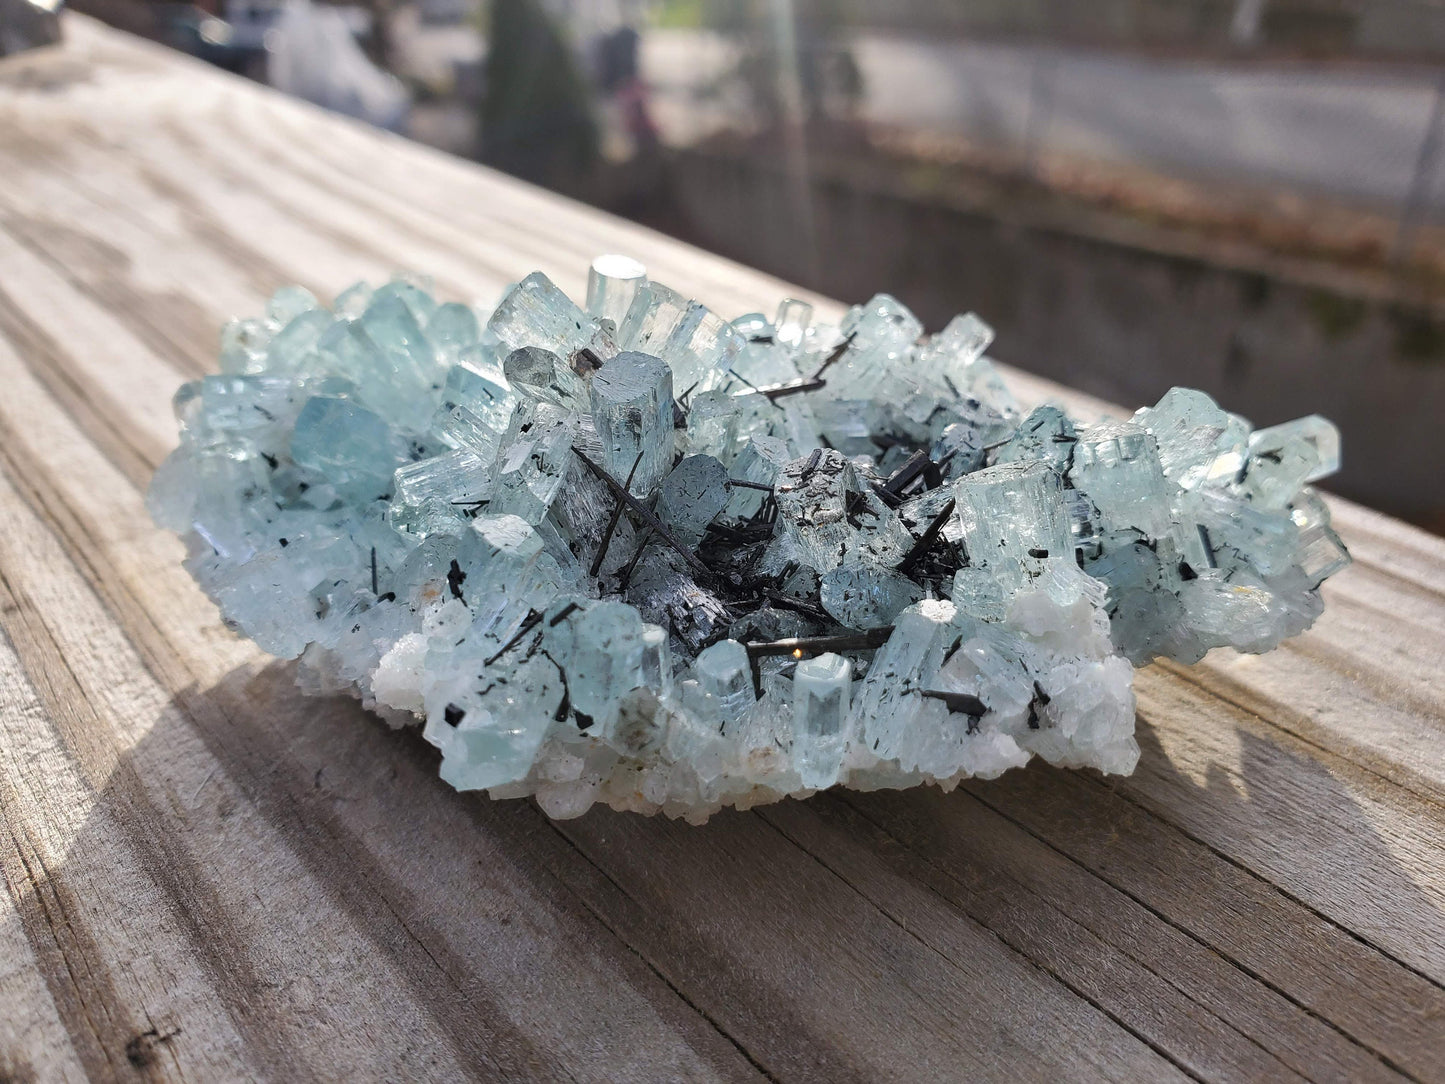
(544,376)
(724,691)
(612,283)
(657,671)
(635,554)
(413,291)
(632,412)
(536,313)
(1284,457)
(444,486)
(452,328)
(502,574)
(760,462)
(289,302)
(866,596)
(697,344)
(822,691)
(532,463)
(1012,516)
(1046,436)
(692,496)
(1117,464)
(792,322)
(476,406)
(1200,445)
(601,649)
(827,516)
(883,334)
(490,735)
(245,345)
(890,701)
(348,446)
(293,348)
(713,419)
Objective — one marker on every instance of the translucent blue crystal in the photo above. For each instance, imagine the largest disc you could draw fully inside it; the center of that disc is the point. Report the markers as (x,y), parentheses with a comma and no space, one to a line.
(352,301)
(827,516)
(290,302)
(612,283)
(293,348)
(600,647)
(476,407)
(544,376)
(348,446)
(639,555)
(498,730)
(245,346)
(632,412)
(692,496)
(890,701)
(713,419)
(724,684)
(866,596)
(502,575)
(1046,435)
(760,462)
(533,458)
(536,313)
(452,328)
(1199,444)
(697,344)
(415,293)
(1012,517)
(1117,465)
(1284,457)
(822,691)
(456,481)
(792,322)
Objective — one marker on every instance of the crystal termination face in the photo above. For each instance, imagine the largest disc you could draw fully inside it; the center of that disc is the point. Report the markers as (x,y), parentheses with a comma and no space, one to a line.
(642,555)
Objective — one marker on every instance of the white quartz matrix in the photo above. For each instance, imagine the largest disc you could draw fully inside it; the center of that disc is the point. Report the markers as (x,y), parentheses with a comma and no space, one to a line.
(642,555)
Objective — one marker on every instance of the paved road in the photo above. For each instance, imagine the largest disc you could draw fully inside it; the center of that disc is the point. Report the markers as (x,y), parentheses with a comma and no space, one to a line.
(1346,132)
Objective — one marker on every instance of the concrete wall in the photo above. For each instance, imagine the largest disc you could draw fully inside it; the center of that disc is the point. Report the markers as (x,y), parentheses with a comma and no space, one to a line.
(1321,27)
(1121,322)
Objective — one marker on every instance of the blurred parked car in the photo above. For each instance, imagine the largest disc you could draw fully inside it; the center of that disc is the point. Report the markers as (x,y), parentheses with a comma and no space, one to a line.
(212,39)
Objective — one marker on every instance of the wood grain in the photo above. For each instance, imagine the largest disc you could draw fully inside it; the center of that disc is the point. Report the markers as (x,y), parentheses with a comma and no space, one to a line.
(208,878)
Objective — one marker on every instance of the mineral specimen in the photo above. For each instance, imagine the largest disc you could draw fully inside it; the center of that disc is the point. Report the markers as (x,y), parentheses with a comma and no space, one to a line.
(640,555)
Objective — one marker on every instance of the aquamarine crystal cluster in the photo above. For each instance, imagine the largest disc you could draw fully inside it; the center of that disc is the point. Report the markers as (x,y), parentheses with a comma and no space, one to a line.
(636,553)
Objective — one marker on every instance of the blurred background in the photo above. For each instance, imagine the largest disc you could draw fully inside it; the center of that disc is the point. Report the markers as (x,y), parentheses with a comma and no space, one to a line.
(1246,196)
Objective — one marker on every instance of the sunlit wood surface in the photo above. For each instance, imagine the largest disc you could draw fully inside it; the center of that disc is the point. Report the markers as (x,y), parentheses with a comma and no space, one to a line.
(208,877)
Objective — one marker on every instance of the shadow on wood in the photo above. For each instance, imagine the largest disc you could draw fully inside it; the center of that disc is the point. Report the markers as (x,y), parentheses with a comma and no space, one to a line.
(1045,923)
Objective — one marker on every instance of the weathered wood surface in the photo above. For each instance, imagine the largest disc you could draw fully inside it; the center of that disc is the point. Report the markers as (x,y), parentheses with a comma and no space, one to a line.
(208,877)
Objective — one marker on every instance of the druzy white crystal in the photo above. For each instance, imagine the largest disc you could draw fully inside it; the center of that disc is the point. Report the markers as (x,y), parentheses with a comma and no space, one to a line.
(639,555)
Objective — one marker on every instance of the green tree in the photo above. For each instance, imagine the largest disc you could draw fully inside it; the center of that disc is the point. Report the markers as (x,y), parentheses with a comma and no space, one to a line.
(536,115)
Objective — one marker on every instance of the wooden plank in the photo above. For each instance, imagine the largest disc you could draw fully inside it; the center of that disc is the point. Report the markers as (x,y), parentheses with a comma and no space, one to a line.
(751,924)
(115,980)
(231,911)
(240,696)
(248,771)
(118,245)
(1356,849)
(1212,1018)
(107,374)
(102,510)
(1404,741)
(1322,966)
(34,1042)
(1263,899)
